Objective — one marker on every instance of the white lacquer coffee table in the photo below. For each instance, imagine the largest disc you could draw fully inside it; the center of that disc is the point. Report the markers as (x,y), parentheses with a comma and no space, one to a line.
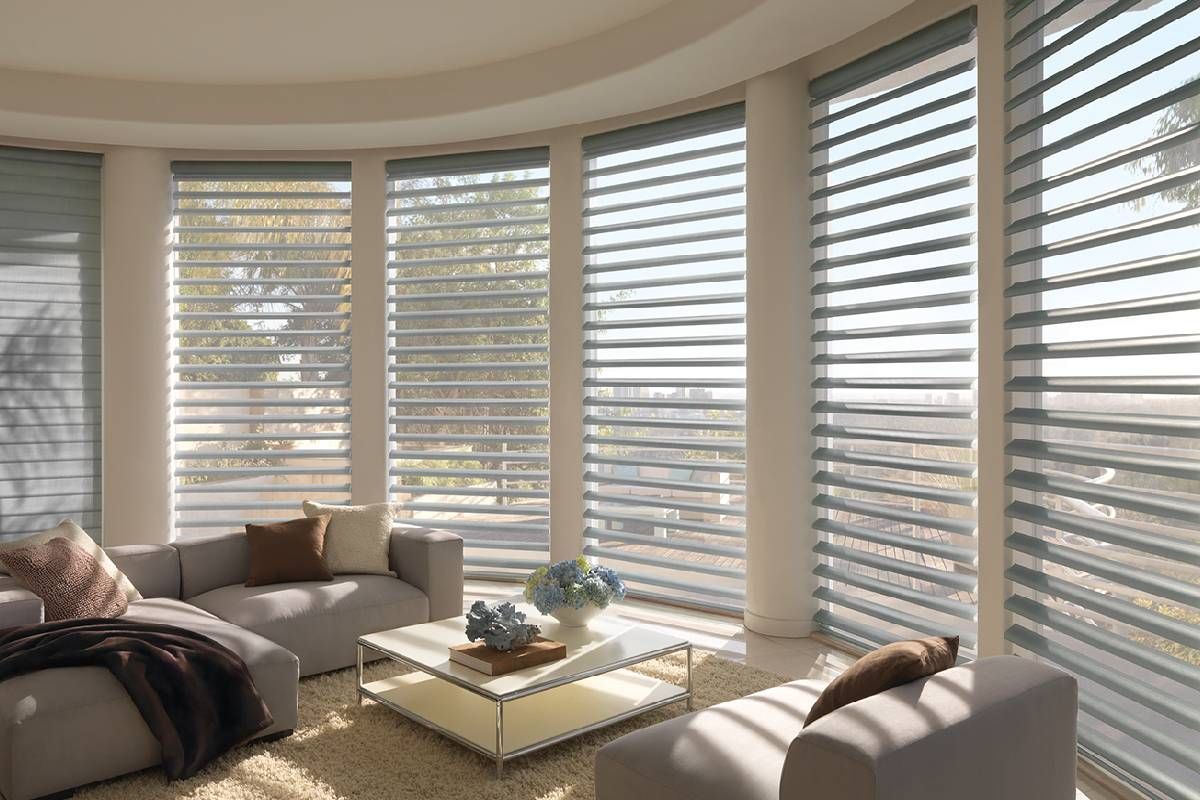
(508,716)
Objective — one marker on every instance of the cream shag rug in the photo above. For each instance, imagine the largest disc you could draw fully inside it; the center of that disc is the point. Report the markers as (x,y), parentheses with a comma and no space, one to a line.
(342,750)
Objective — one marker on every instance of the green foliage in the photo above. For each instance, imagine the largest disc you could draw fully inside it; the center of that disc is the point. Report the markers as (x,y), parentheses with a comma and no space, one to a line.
(1184,114)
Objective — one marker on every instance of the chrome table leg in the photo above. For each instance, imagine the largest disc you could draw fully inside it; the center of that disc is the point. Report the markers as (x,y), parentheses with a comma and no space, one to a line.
(689,677)
(499,738)
(358,672)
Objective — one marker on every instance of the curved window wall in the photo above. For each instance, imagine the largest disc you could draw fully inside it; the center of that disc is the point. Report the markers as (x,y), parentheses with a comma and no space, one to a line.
(1099,515)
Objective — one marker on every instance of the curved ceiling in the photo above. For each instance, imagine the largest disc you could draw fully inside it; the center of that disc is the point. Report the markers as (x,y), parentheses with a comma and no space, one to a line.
(315,74)
(292,41)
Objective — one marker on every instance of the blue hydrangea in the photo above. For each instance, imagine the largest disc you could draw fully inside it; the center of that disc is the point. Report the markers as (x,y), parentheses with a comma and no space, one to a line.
(597,591)
(548,596)
(565,573)
(611,579)
(574,596)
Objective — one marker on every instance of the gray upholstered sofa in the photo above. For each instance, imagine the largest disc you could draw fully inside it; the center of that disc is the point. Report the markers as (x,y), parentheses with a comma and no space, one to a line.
(999,728)
(63,728)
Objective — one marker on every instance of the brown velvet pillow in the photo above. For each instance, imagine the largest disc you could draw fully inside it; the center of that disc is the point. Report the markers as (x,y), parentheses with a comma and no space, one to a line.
(890,666)
(288,551)
(71,584)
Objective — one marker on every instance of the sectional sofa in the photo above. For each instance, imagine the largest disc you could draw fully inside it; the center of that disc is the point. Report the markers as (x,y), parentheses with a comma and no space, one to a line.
(64,728)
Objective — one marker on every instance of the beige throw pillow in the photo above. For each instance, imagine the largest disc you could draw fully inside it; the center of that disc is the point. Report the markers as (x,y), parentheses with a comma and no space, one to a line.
(76,535)
(357,538)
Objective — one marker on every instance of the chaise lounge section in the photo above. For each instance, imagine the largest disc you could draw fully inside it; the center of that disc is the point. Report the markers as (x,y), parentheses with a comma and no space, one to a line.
(1004,726)
(281,631)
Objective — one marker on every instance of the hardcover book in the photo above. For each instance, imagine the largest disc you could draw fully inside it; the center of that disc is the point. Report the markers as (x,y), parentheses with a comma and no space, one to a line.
(482,658)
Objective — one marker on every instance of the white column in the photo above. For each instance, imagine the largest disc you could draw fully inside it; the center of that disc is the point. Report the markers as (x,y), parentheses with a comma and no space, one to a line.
(137,347)
(780,537)
(993,464)
(566,348)
(368,319)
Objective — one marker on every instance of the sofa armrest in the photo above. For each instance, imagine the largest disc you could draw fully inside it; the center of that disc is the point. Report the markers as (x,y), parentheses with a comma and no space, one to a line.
(212,562)
(19,606)
(1005,726)
(432,561)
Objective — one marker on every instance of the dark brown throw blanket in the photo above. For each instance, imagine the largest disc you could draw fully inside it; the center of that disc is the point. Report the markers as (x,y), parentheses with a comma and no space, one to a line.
(196,695)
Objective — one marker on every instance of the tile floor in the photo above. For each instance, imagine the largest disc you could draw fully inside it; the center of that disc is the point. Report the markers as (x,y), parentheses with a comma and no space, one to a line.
(790,658)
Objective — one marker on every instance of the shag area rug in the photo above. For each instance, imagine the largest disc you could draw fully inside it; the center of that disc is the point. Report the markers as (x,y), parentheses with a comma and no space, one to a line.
(343,751)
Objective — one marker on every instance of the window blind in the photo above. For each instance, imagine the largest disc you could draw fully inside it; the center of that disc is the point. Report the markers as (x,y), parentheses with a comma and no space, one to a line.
(49,340)
(261,303)
(664,340)
(893,148)
(1104,291)
(468,237)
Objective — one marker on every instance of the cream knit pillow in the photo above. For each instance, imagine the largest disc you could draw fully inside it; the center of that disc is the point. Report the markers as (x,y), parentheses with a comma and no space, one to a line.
(357,538)
(68,530)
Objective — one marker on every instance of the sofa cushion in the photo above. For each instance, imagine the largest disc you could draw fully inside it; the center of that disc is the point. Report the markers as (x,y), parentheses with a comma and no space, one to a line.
(320,622)
(735,749)
(84,711)
(153,568)
(18,605)
(210,562)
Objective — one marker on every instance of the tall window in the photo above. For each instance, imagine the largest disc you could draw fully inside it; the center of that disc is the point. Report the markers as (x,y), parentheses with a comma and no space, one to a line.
(49,340)
(262,340)
(665,347)
(894,337)
(468,390)
(1104,268)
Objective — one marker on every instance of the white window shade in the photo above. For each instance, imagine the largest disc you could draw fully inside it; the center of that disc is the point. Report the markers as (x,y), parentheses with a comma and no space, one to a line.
(468,237)
(894,338)
(1104,289)
(261,303)
(664,340)
(49,340)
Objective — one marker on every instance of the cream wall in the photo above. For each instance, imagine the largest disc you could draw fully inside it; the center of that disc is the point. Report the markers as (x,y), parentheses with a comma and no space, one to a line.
(137,347)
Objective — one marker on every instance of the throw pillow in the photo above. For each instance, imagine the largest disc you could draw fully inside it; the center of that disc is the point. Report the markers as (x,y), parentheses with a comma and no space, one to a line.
(288,551)
(890,666)
(78,536)
(70,582)
(358,537)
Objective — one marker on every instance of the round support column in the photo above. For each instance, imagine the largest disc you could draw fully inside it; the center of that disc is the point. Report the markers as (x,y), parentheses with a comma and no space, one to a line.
(138,448)
(779,533)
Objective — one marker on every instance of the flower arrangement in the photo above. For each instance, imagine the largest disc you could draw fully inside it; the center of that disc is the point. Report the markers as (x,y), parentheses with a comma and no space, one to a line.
(573,584)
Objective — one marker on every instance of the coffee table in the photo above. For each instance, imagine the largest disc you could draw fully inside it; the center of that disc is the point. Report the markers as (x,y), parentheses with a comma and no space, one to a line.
(507,716)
